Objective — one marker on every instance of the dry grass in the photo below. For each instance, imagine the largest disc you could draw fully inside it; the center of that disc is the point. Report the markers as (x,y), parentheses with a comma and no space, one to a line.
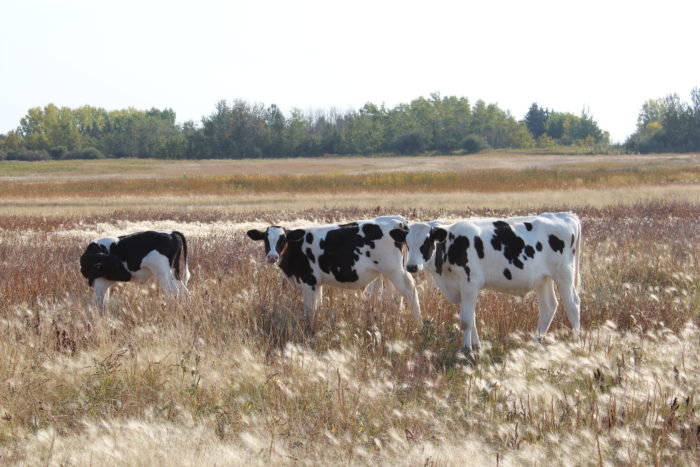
(230,378)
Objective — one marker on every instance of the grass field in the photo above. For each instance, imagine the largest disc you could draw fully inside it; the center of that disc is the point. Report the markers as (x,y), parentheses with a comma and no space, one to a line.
(230,377)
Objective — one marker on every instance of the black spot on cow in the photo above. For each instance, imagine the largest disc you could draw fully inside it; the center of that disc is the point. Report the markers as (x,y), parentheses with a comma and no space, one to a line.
(556,243)
(506,272)
(427,248)
(572,241)
(309,237)
(375,261)
(440,255)
(341,249)
(528,226)
(513,245)
(468,271)
(367,253)
(294,263)
(529,251)
(538,246)
(479,246)
(457,252)
(452,237)
(310,255)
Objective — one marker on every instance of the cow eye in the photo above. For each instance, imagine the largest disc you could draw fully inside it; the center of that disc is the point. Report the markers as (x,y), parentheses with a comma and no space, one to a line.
(98,266)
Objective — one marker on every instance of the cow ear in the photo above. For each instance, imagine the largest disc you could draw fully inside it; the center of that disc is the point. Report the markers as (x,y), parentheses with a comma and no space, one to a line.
(438,234)
(399,235)
(255,234)
(295,235)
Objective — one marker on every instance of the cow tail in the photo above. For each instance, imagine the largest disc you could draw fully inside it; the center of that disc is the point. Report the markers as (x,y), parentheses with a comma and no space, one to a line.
(176,259)
(577,256)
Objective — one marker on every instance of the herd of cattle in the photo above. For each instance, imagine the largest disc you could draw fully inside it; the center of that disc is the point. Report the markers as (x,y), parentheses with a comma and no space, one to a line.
(514,255)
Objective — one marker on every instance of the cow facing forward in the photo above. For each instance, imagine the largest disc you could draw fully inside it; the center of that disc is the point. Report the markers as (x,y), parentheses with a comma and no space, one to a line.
(514,255)
(136,257)
(348,256)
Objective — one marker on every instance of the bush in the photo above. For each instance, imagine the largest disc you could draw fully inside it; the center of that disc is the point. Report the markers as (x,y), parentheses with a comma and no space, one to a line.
(410,143)
(58,152)
(28,155)
(474,143)
(3,155)
(85,153)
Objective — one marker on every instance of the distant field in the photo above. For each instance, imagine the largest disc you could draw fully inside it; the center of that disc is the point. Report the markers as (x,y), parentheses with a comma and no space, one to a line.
(148,168)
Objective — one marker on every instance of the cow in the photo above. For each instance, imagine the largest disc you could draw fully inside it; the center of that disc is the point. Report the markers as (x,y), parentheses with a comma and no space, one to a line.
(515,256)
(350,256)
(136,257)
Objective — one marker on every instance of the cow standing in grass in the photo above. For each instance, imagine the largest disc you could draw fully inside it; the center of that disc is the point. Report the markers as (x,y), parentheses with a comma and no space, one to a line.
(514,256)
(349,256)
(136,257)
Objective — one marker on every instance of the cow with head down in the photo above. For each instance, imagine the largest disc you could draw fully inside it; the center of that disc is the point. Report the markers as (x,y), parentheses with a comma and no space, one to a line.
(515,256)
(136,257)
(349,256)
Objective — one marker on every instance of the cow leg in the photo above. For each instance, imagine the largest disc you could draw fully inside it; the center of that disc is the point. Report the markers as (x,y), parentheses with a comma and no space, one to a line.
(547,303)
(101,288)
(404,283)
(570,299)
(467,321)
(311,296)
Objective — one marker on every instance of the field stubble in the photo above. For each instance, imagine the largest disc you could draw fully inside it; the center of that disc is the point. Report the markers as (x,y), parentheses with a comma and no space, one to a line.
(230,377)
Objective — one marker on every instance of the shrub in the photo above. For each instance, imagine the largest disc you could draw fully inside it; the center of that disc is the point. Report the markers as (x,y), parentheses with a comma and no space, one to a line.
(410,143)
(474,143)
(85,153)
(28,155)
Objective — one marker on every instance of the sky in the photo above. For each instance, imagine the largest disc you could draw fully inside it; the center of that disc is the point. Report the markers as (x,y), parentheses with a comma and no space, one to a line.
(605,56)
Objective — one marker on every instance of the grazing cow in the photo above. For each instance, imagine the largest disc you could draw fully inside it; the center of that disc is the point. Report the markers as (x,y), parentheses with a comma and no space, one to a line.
(136,257)
(514,255)
(348,256)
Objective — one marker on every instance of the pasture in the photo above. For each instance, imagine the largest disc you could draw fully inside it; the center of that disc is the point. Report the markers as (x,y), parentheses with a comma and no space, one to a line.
(231,378)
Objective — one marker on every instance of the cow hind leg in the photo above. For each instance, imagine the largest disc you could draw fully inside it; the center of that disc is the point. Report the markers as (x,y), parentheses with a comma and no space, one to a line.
(467,321)
(404,283)
(572,302)
(547,303)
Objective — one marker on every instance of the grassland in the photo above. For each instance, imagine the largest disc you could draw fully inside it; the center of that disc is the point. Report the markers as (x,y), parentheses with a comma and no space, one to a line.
(230,378)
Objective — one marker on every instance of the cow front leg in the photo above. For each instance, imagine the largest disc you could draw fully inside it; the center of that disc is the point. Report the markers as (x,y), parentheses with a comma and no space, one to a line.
(311,297)
(101,288)
(403,282)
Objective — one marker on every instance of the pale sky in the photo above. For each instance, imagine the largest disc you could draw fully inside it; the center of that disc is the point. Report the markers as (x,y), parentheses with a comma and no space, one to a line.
(606,56)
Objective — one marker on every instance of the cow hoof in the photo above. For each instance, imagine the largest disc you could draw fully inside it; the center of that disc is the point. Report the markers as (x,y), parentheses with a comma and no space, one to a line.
(468,356)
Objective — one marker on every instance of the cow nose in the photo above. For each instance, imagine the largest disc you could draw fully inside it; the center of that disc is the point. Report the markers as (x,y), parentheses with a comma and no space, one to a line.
(412,268)
(272,258)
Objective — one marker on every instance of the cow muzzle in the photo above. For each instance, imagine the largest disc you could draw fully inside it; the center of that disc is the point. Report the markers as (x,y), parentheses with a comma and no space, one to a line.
(412,268)
(272,258)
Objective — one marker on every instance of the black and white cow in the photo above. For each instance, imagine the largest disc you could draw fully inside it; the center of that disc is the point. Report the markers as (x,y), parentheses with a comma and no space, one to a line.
(515,256)
(136,257)
(349,256)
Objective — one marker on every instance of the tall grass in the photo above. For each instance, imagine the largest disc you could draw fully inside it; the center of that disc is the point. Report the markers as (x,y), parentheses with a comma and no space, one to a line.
(230,376)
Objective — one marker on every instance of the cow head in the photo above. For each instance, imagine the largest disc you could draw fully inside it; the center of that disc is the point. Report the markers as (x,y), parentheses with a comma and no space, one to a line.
(276,239)
(98,262)
(420,240)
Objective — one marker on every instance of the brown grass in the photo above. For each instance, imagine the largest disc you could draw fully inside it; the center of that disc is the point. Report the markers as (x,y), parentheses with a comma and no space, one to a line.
(231,378)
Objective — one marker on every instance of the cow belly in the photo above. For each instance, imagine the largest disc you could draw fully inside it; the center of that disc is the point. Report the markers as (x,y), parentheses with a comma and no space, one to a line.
(142,275)
(362,281)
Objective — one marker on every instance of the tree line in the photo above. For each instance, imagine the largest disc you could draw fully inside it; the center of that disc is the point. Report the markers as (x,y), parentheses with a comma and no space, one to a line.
(240,129)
